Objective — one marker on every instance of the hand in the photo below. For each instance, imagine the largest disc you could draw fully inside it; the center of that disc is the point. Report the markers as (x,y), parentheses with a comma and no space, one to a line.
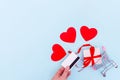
(62,74)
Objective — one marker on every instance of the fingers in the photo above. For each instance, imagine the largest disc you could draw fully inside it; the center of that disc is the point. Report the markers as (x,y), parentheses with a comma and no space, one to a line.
(69,73)
(62,74)
(66,72)
(60,71)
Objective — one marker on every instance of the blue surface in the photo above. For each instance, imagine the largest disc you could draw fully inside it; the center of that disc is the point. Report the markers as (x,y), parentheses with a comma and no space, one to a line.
(29,28)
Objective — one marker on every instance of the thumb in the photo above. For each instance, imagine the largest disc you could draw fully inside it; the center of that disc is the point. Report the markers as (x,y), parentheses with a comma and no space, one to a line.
(60,71)
(66,72)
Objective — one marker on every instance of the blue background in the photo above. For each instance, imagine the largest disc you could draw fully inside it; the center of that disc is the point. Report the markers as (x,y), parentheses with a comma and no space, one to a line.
(29,28)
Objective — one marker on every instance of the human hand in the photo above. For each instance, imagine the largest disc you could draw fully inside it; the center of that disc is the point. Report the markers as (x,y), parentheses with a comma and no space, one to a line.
(62,74)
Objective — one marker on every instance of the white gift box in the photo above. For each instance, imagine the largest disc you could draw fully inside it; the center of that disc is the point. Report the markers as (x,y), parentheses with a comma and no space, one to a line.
(86,53)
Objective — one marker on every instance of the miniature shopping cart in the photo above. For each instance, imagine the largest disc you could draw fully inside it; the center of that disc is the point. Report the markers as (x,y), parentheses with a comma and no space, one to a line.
(104,66)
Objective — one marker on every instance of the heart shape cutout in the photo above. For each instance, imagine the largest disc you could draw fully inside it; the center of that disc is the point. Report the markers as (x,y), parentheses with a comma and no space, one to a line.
(69,36)
(58,52)
(88,33)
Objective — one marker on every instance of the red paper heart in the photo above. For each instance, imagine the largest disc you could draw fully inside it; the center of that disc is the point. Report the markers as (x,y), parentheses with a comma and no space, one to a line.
(58,52)
(87,33)
(69,36)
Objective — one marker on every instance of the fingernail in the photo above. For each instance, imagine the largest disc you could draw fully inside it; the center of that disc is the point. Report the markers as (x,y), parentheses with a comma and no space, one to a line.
(67,68)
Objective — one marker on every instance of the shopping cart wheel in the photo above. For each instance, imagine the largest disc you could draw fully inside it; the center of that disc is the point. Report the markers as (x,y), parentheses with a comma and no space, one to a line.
(104,75)
(116,66)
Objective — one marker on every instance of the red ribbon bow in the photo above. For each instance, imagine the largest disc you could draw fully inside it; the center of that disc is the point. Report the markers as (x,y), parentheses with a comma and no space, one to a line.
(88,60)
